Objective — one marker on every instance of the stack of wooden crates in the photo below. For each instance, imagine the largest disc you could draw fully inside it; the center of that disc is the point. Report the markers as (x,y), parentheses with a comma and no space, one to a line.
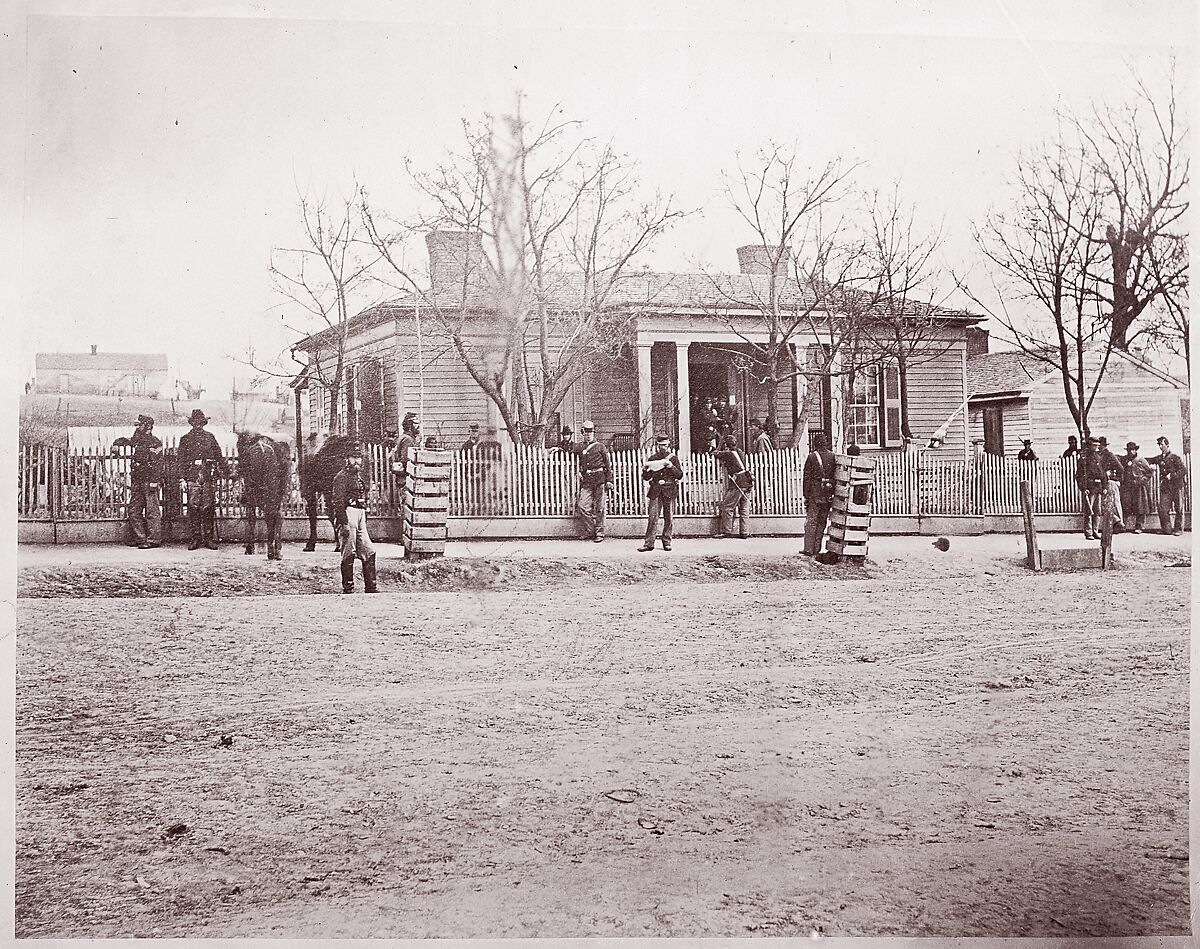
(426,503)
(850,515)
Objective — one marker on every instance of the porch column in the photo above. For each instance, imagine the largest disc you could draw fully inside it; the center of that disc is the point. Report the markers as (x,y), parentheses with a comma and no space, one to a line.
(684,395)
(645,396)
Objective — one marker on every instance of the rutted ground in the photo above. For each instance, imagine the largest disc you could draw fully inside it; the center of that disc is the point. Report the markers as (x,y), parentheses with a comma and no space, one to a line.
(710,750)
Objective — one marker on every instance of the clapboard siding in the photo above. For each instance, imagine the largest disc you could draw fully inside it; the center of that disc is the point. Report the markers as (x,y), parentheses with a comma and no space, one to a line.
(611,393)
(1121,414)
(936,392)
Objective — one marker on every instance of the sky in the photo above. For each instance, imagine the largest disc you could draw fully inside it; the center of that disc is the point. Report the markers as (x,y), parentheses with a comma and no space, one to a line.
(159,157)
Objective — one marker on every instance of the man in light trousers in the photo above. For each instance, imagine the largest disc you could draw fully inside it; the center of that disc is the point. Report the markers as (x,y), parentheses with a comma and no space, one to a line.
(351,488)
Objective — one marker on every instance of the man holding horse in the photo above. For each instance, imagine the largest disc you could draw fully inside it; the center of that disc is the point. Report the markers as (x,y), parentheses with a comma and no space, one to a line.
(351,487)
(200,462)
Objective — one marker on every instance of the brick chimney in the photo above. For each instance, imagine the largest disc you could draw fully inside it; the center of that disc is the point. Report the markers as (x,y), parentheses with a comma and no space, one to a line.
(977,341)
(455,256)
(93,349)
(756,259)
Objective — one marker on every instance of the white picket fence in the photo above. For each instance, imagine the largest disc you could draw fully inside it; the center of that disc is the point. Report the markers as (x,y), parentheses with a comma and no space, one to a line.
(518,481)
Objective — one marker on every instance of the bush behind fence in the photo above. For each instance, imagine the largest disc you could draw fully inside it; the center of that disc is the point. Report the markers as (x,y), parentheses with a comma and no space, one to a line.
(70,484)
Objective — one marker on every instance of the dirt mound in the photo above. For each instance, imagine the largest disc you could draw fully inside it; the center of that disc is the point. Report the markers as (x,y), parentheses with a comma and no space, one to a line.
(447,574)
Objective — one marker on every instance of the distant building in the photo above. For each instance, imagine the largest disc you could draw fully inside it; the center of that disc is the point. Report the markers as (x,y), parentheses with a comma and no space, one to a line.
(1015,395)
(97,373)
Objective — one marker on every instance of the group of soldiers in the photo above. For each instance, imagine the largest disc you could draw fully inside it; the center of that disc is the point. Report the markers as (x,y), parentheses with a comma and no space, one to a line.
(1126,480)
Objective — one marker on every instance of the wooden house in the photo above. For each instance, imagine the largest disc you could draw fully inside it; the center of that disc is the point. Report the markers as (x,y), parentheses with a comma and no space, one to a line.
(1015,395)
(685,335)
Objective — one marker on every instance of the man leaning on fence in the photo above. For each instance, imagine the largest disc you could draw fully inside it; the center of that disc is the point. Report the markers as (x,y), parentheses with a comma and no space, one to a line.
(819,471)
(200,463)
(1172,474)
(595,478)
(145,476)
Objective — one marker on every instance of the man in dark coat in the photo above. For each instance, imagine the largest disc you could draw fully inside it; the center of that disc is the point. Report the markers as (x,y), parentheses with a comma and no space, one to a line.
(1113,472)
(760,441)
(351,488)
(1172,474)
(739,483)
(595,479)
(472,439)
(818,481)
(1135,487)
(1072,447)
(200,463)
(1027,453)
(1092,481)
(663,471)
(145,475)
(409,441)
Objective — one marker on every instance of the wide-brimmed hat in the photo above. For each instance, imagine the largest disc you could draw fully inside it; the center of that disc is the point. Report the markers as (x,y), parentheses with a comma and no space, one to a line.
(142,419)
(1102,440)
(1131,446)
(197,418)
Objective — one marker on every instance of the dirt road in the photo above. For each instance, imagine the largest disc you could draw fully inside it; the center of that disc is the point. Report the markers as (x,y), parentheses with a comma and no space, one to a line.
(719,749)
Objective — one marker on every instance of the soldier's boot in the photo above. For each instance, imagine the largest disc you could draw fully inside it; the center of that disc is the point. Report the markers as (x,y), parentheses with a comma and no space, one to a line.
(348,576)
(369,575)
(210,529)
(196,528)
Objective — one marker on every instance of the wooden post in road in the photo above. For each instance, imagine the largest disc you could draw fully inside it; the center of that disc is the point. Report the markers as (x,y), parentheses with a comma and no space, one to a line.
(1032,561)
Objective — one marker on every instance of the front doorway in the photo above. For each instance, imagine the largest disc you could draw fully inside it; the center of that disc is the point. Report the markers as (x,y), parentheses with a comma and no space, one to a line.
(718,394)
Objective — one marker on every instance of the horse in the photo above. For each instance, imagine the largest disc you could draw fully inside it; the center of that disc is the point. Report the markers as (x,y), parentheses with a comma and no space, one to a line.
(265,467)
(316,472)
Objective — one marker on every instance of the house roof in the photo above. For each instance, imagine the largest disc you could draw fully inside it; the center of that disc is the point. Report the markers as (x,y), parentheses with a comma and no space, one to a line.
(652,290)
(1004,373)
(132,362)
(1015,373)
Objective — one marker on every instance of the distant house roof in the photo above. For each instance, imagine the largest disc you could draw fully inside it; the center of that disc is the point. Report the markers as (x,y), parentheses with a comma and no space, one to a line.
(1006,373)
(689,292)
(131,362)
(990,375)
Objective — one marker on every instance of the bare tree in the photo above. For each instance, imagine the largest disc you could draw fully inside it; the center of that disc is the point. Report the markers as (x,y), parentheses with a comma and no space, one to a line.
(1042,255)
(1170,331)
(900,320)
(555,226)
(320,280)
(809,265)
(1137,151)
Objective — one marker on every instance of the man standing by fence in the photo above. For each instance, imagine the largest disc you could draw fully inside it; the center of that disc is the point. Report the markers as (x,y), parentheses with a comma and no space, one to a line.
(1114,472)
(738,485)
(145,476)
(663,471)
(760,441)
(1135,487)
(1171,476)
(1090,476)
(200,461)
(595,478)
(818,494)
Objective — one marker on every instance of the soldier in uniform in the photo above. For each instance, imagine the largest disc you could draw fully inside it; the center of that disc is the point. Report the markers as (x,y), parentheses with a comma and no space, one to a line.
(1090,476)
(595,478)
(472,438)
(760,441)
(146,470)
(351,487)
(1172,474)
(818,481)
(200,462)
(1027,453)
(1114,471)
(663,470)
(735,502)
(1135,487)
